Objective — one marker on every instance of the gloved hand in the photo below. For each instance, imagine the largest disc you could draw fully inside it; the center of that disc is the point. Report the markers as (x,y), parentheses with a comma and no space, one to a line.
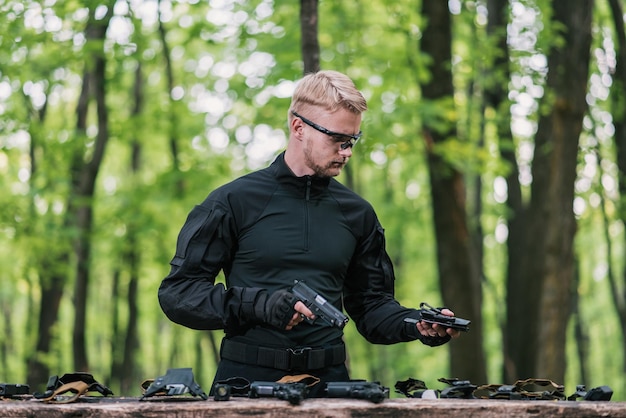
(276,309)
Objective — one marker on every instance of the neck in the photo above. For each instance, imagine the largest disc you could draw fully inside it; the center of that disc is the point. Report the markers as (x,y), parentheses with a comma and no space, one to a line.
(295,165)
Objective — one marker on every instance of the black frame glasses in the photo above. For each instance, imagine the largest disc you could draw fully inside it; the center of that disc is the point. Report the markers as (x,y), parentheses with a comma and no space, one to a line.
(349,143)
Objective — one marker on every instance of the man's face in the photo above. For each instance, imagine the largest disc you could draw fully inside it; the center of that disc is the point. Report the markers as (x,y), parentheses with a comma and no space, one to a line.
(325,153)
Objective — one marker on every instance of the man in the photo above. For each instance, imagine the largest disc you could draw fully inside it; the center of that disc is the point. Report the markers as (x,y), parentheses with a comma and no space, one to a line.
(292,221)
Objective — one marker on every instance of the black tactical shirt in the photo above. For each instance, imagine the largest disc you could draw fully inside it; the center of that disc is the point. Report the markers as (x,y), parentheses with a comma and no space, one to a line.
(269,228)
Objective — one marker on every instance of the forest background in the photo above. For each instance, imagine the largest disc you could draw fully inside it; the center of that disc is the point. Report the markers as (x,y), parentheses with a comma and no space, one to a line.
(493,152)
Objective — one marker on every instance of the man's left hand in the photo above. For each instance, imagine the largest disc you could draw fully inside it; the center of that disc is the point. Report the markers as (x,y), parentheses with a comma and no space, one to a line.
(436,330)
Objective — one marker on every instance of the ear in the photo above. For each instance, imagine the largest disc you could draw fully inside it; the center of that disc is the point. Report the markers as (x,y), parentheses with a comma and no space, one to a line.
(297,128)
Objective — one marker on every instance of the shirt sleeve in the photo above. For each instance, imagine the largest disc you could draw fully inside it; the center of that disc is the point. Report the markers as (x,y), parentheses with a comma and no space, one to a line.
(188,295)
(369,295)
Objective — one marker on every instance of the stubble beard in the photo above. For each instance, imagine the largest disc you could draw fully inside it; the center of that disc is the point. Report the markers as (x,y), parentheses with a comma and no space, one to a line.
(331,169)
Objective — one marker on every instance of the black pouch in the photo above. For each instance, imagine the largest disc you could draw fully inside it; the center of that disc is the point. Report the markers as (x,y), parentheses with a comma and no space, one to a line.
(237,386)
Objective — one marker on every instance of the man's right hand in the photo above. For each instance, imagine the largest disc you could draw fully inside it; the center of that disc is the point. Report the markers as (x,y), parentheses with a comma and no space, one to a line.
(301,312)
(281,309)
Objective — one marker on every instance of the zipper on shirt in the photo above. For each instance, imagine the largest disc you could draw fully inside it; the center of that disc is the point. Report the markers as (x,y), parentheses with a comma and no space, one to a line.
(307,196)
(308,188)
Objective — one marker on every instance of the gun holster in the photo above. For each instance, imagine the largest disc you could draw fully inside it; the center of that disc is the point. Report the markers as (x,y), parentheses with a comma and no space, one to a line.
(175,382)
(600,393)
(461,389)
(77,383)
(411,388)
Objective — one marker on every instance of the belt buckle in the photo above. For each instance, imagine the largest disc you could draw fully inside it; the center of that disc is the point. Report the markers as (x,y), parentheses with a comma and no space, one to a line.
(299,358)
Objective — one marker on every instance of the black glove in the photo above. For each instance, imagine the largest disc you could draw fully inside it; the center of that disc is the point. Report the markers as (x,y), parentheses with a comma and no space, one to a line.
(276,309)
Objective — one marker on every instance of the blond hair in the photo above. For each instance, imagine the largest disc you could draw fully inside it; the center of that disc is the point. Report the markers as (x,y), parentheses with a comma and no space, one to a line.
(327,89)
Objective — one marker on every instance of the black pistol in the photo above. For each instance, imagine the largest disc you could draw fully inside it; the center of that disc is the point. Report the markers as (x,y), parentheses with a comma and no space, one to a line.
(294,393)
(319,306)
(434,316)
(357,389)
(8,390)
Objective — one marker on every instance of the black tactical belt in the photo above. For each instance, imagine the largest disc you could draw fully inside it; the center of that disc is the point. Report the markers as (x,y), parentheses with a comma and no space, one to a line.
(289,359)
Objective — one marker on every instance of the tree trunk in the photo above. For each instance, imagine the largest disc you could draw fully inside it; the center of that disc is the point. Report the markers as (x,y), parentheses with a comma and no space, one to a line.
(132,257)
(581,332)
(52,278)
(619,122)
(458,272)
(173,125)
(548,259)
(83,184)
(496,95)
(50,281)
(129,375)
(308,32)
(117,339)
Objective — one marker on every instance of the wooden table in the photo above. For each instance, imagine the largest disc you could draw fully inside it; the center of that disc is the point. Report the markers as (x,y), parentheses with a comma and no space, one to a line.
(323,408)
